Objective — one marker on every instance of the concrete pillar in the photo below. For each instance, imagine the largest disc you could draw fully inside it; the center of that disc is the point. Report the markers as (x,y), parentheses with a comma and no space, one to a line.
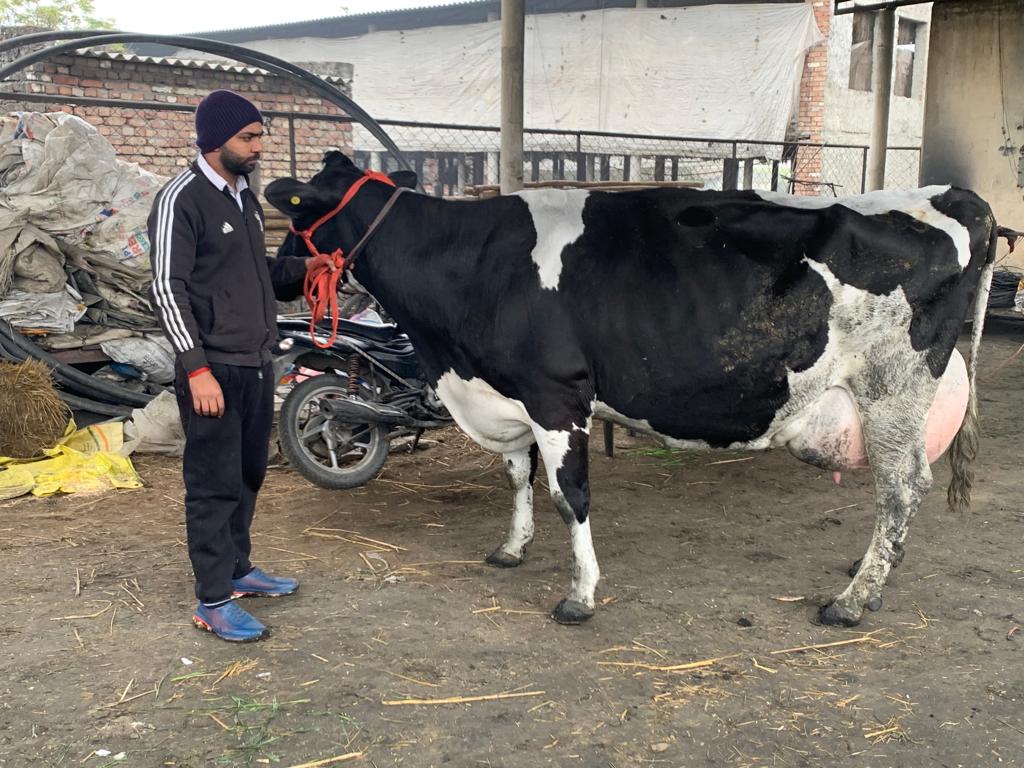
(513,36)
(881,84)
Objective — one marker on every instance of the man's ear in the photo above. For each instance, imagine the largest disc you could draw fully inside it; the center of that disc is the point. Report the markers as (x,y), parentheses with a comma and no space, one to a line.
(296,199)
(404,179)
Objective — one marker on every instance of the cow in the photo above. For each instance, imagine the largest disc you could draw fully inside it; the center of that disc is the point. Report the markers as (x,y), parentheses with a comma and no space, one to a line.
(709,319)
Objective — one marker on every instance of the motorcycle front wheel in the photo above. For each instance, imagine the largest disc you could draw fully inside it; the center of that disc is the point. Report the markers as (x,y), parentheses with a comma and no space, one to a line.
(328,452)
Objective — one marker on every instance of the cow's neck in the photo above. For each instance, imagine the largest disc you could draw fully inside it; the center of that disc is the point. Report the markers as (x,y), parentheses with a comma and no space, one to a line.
(405,262)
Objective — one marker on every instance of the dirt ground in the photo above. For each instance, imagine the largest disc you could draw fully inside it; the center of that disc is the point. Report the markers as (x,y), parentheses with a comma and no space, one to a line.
(717,558)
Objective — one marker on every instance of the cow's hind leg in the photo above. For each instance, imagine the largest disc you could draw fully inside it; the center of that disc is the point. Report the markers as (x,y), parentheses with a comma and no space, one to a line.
(521,468)
(894,436)
(566,462)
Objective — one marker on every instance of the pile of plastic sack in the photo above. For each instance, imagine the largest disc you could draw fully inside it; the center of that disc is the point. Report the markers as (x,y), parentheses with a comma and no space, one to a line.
(74,251)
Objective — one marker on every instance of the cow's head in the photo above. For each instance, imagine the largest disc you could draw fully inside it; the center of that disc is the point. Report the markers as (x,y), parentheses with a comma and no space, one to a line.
(305,203)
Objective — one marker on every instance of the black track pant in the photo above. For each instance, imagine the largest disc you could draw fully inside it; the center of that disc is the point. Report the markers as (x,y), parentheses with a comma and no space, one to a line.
(224,465)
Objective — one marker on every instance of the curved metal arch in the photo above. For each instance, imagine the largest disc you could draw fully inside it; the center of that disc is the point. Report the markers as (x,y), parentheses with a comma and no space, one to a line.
(89,38)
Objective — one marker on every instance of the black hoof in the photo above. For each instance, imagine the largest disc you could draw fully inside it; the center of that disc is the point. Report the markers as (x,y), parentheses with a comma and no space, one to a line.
(499,558)
(571,612)
(855,567)
(874,604)
(829,614)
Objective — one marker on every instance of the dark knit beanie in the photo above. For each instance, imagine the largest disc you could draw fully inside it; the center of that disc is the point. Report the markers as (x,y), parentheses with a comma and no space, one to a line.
(220,116)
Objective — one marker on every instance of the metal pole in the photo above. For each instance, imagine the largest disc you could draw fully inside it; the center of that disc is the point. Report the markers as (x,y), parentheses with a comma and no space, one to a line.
(881,83)
(291,147)
(513,36)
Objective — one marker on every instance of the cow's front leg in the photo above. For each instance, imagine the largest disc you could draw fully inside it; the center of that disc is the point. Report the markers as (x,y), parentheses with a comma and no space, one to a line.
(521,468)
(566,461)
(900,485)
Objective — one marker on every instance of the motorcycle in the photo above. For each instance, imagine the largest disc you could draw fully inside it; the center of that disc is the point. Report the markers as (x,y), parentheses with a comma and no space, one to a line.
(352,400)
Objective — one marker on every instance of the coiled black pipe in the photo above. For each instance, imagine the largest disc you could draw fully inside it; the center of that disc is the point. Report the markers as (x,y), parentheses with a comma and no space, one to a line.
(79,381)
(77,403)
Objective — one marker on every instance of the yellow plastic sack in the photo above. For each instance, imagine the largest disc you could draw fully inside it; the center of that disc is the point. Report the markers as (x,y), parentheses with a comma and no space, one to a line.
(84,461)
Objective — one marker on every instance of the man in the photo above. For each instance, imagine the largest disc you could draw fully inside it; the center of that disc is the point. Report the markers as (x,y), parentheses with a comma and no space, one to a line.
(213,291)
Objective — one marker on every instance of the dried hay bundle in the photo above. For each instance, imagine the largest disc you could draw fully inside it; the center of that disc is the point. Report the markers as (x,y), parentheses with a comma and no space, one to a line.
(32,415)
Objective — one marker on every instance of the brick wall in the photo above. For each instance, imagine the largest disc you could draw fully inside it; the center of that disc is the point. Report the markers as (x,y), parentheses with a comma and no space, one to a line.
(811,115)
(163,140)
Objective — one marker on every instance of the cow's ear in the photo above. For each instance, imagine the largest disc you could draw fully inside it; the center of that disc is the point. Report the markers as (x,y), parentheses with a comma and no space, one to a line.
(335,159)
(295,198)
(404,179)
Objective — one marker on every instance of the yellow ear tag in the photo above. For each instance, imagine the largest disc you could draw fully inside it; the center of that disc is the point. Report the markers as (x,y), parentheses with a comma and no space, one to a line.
(295,200)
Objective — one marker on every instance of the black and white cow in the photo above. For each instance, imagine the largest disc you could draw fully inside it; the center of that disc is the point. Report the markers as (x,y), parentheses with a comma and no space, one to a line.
(710,319)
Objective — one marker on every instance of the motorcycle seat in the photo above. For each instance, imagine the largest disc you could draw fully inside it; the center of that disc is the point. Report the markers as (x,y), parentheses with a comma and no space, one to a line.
(380,333)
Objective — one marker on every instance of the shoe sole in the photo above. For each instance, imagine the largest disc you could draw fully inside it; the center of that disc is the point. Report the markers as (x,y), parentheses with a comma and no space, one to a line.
(200,624)
(264,594)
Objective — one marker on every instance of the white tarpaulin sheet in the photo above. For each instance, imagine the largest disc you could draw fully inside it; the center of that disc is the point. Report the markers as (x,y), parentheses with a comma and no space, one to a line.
(722,71)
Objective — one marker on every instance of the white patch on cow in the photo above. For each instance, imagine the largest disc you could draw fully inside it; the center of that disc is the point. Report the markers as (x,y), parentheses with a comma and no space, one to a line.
(865,331)
(520,532)
(913,202)
(495,422)
(585,571)
(558,218)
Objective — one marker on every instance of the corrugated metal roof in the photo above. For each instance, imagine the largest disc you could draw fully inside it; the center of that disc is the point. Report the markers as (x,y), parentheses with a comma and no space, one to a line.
(448,14)
(207,64)
(358,18)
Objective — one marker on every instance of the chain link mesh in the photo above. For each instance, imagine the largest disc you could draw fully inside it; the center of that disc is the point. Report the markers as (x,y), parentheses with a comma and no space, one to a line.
(450,158)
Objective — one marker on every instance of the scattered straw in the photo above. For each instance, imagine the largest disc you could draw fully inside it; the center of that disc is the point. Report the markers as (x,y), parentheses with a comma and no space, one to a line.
(85,616)
(462,699)
(669,667)
(867,638)
(130,698)
(730,461)
(847,702)
(330,760)
(235,668)
(359,538)
(893,731)
(133,596)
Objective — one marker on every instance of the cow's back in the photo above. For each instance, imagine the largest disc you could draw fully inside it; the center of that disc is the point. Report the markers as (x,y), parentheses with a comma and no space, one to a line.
(693,308)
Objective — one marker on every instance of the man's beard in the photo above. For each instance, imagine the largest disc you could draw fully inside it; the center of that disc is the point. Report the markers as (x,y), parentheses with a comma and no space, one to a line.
(237,164)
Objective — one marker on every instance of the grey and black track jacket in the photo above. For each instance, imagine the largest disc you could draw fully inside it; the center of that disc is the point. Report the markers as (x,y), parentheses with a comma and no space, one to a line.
(213,286)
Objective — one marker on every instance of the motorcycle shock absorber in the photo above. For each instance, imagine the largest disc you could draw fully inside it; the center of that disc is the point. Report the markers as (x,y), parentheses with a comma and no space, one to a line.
(353,374)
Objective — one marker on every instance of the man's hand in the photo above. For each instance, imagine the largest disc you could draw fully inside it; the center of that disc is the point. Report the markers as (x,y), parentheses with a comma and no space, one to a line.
(318,262)
(207,397)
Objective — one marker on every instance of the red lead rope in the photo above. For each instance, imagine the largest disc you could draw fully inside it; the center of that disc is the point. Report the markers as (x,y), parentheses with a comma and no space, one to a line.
(320,286)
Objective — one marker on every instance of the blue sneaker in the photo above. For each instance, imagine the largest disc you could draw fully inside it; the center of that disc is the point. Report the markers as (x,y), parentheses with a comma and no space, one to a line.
(229,622)
(256,583)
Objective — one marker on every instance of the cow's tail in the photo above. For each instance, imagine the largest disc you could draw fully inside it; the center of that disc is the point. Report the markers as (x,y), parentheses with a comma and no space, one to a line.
(964,449)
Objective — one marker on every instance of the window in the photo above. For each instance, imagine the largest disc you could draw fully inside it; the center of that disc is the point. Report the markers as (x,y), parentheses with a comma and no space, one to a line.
(862,50)
(862,54)
(903,65)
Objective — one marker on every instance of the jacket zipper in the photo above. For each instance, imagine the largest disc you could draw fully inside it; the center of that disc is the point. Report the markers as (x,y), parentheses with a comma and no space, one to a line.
(249,209)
